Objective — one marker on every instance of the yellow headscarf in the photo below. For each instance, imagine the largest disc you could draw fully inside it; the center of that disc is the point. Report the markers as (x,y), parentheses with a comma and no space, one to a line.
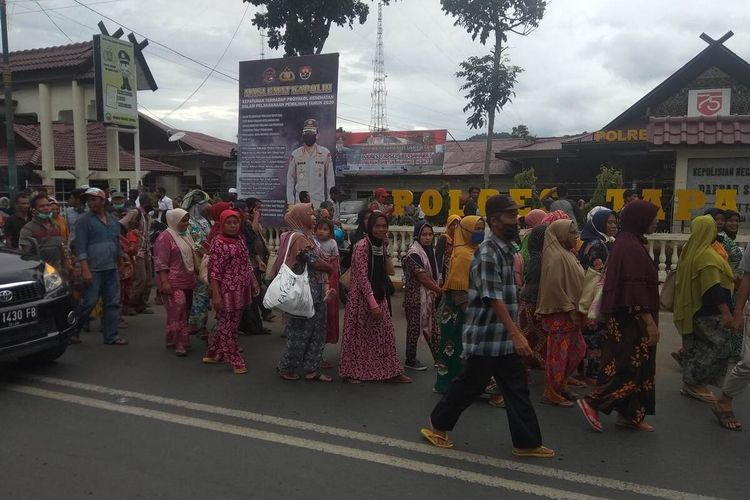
(700,267)
(463,252)
(451,219)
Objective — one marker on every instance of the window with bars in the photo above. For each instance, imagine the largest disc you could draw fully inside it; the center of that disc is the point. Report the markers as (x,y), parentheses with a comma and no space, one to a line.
(63,188)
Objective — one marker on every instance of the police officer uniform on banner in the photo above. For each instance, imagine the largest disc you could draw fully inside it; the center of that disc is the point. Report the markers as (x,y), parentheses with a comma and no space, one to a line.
(310,168)
(124,59)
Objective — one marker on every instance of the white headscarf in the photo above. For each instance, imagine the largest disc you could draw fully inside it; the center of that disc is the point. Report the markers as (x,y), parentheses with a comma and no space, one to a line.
(184,241)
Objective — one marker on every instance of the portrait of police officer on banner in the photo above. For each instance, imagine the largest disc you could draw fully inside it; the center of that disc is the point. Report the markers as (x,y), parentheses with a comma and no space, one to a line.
(124,59)
(310,168)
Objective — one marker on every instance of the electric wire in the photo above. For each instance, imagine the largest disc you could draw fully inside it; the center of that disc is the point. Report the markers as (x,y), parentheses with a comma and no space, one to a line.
(218,61)
(53,21)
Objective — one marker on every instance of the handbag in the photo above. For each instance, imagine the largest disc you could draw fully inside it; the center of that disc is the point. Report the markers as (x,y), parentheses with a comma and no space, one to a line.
(345,279)
(203,269)
(666,297)
(290,292)
(593,284)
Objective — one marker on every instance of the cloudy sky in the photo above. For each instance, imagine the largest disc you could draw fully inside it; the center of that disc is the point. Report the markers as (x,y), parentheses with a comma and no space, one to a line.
(588,61)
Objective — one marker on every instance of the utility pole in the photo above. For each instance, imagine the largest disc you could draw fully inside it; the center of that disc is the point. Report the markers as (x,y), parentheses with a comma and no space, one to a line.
(379,117)
(11,137)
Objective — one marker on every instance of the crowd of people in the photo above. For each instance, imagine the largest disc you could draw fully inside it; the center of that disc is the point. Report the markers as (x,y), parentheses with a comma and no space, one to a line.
(491,304)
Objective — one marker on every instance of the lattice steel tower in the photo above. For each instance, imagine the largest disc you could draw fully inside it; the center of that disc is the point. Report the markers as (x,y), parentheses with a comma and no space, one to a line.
(379,116)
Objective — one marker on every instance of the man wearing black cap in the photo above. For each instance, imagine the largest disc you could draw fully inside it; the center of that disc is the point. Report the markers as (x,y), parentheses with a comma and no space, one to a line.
(493,344)
(310,168)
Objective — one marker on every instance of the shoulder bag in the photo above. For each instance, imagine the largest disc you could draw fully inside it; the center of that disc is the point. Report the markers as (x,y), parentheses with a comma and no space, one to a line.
(290,292)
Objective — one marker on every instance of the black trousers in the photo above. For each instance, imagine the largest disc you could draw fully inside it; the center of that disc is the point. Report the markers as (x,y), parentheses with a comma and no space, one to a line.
(510,376)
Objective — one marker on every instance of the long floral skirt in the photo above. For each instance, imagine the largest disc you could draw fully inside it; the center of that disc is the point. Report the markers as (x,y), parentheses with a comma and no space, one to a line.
(531,327)
(200,306)
(565,350)
(222,343)
(177,306)
(626,381)
(449,363)
(706,352)
(305,338)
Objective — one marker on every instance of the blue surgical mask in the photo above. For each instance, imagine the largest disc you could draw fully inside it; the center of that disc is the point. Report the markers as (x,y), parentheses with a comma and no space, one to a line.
(477,236)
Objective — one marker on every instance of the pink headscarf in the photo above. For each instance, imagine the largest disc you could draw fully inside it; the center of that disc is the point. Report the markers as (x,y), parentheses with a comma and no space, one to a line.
(534,218)
(553,216)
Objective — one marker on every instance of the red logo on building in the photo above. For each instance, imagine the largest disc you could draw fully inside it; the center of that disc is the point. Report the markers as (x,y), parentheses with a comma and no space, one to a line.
(709,103)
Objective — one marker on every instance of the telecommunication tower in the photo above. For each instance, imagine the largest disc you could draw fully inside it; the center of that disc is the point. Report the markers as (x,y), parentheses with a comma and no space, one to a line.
(379,117)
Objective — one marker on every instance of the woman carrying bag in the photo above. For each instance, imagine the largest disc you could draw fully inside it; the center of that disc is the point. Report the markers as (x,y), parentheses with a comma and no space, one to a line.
(305,337)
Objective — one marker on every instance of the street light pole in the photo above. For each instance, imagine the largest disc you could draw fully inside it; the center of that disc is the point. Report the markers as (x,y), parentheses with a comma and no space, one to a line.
(11,137)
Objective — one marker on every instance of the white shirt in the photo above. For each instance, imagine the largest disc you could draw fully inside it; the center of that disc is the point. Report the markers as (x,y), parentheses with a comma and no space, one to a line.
(165,204)
(310,171)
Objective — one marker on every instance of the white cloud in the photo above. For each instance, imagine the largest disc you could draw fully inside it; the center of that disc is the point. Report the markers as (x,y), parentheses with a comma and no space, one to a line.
(586,63)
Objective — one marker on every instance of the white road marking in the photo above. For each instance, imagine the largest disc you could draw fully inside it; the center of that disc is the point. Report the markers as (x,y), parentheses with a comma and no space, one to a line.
(474,458)
(308,444)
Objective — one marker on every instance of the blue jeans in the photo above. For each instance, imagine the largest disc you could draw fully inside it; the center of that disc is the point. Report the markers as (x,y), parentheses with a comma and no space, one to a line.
(106,284)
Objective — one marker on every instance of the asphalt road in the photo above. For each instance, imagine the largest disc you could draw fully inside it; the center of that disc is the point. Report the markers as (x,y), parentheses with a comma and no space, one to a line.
(138,422)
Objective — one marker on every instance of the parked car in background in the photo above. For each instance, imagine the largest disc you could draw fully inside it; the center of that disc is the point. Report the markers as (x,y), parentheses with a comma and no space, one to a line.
(349,209)
(37,316)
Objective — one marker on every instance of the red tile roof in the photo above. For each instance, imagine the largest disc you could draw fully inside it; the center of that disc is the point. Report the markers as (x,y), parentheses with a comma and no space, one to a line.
(467,157)
(734,129)
(30,152)
(201,143)
(77,55)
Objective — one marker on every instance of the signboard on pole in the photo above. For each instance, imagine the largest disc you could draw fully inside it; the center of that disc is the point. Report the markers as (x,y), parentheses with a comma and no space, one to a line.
(714,176)
(390,151)
(278,98)
(116,83)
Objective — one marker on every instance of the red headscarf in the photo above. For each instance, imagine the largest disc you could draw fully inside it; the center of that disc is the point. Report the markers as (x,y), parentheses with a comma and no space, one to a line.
(553,216)
(632,279)
(222,218)
(217,209)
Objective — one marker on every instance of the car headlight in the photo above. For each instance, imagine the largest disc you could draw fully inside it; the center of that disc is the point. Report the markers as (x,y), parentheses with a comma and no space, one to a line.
(52,279)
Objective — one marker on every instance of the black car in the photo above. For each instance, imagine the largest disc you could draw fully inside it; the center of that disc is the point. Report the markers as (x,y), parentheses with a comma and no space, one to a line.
(37,316)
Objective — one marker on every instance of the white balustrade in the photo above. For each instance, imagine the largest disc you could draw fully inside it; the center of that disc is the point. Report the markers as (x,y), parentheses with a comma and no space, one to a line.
(663,248)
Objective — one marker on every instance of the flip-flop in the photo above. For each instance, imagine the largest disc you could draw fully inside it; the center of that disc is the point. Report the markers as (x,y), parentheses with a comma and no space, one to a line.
(591,415)
(496,403)
(726,417)
(539,452)
(707,397)
(318,377)
(436,439)
(642,426)
(400,379)
(290,376)
(561,404)
(354,381)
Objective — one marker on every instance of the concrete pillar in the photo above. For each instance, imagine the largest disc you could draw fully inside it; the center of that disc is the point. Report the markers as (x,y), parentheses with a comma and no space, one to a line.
(113,151)
(47,134)
(80,134)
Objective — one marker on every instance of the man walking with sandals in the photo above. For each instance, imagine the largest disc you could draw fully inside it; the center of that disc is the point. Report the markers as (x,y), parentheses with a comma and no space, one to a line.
(493,344)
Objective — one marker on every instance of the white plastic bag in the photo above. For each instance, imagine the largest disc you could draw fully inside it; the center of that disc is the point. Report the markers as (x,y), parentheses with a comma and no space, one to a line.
(290,292)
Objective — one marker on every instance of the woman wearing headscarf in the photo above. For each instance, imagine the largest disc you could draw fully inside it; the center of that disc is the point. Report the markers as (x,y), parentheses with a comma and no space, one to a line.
(559,292)
(216,210)
(368,345)
(728,238)
(703,298)
(232,287)
(469,234)
(355,236)
(596,238)
(305,338)
(554,216)
(175,265)
(528,321)
(196,202)
(421,291)
(531,220)
(444,245)
(630,303)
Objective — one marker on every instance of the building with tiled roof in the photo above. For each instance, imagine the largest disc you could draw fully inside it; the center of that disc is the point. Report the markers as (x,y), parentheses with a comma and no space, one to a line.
(60,142)
(690,132)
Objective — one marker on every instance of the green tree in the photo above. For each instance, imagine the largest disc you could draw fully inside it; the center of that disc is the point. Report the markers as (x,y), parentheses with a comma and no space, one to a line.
(526,179)
(495,135)
(482,19)
(520,131)
(302,26)
(608,178)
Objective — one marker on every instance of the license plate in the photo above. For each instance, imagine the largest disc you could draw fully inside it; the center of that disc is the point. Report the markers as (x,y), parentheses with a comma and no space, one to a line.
(15,317)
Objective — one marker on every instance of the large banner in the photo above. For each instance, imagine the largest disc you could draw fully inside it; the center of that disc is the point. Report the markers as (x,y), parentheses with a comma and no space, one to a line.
(711,175)
(390,151)
(116,82)
(278,99)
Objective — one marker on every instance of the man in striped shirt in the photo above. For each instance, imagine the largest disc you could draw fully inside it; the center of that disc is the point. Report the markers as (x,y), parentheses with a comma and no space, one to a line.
(493,344)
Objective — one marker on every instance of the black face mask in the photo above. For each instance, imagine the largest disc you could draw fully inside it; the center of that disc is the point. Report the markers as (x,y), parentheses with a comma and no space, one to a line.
(309,140)
(510,232)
